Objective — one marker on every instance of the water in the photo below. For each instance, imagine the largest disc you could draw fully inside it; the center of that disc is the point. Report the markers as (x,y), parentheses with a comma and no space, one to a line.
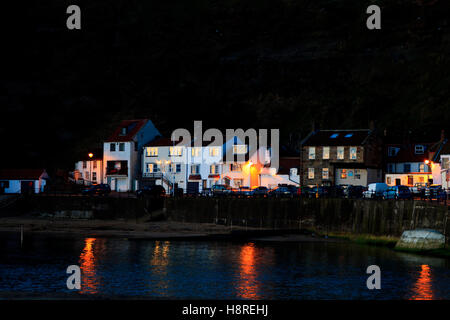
(217,270)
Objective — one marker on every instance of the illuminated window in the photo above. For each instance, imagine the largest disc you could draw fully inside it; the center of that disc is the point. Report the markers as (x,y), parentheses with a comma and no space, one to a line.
(240,149)
(195,152)
(421,167)
(334,135)
(326,153)
(325,173)
(353,153)
(344,174)
(235,167)
(312,153)
(421,179)
(175,151)
(388,180)
(214,169)
(152,152)
(152,167)
(340,153)
(310,173)
(445,163)
(213,151)
(5,184)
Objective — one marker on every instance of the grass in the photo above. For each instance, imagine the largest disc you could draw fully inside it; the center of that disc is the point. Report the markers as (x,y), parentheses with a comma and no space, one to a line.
(369,239)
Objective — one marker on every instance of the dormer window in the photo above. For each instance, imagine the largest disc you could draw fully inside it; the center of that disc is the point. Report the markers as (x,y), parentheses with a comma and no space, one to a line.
(123,131)
(419,149)
(392,151)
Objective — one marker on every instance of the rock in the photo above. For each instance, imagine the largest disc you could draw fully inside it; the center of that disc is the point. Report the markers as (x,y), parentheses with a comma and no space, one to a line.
(421,239)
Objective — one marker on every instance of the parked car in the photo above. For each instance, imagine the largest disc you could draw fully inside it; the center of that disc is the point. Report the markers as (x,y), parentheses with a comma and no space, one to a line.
(244,192)
(435,191)
(280,192)
(152,191)
(322,192)
(375,190)
(354,192)
(306,192)
(260,192)
(418,189)
(206,192)
(100,189)
(397,192)
(221,190)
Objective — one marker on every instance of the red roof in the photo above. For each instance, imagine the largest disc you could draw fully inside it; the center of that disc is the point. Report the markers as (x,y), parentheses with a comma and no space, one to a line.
(131,127)
(20,174)
(407,153)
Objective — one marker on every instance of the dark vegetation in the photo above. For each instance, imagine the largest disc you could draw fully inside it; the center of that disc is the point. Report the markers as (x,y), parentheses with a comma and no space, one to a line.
(249,63)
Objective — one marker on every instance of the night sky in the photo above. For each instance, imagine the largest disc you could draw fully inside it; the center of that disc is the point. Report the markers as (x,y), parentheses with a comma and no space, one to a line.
(249,64)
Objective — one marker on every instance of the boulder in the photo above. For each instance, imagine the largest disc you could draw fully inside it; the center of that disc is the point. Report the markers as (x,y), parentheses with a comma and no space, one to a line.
(421,239)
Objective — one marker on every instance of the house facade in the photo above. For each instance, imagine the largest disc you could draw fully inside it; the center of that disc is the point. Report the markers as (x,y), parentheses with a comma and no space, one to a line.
(122,153)
(22,181)
(341,157)
(89,170)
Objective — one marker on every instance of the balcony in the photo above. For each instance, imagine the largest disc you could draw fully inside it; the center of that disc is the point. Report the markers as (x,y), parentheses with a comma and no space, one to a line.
(117,168)
(154,175)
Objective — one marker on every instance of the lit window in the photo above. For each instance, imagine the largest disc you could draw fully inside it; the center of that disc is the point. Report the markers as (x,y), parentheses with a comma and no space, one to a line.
(235,167)
(175,151)
(334,135)
(353,153)
(312,153)
(344,174)
(340,153)
(240,149)
(325,173)
(213,151)
(348,135)
(152,167)
(214,169)
(195,152)
(326,152)
(421,167)
(310,173)
(152,152)
(388,180)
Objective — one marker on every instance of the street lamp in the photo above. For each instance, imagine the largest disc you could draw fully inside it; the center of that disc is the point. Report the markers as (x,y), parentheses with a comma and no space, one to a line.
(90,155)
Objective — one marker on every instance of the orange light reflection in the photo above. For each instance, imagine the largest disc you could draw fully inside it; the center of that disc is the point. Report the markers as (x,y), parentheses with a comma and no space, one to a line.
(248,285)
(87,266)
(423,288)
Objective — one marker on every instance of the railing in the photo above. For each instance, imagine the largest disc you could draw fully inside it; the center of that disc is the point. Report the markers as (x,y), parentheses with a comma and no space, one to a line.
(113,171)
(155,175)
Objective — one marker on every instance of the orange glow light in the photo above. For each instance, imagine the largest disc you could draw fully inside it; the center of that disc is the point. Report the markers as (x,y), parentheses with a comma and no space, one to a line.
(248,285)
(87,266)
(423,288)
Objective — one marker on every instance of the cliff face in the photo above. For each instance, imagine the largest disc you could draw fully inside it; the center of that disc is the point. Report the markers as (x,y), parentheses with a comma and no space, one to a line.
(264,64)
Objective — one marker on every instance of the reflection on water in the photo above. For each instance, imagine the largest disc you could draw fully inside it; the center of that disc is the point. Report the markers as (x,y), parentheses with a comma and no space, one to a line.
(423,287)
(159,262)
(217,270)
(87,266)
(247,287)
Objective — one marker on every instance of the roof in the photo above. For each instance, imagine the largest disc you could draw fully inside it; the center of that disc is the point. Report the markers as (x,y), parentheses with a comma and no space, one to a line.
(161,142)
(287,163)
(337,137)
(407,153)
(22,174)
(132,127)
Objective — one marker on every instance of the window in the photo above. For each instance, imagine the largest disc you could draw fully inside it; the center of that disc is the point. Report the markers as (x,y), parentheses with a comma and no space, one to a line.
(213,151)
(175,151)
(121,146)
(151,152)
(406,168)
(392,151)
(421,179)
(235,167)
(445,163)
(4,184)
(84,164)
(357,174)
(214,169)
(152,167)
(344,174)
(112,147)
(334,135)
(123,131)
(312,153)
(340,153)
(419,149)
(348,135)
(410,180)
(421,167)
(94,176)
(353,153)
(195,169)
(178,168)
(240,149)
(325,174)
(390,168)
(95,164)
(195,152)
(86,174)
(326,153)
(388,180)
(310,173)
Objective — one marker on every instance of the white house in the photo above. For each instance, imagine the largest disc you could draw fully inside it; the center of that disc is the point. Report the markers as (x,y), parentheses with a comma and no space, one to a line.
(23,180)
(89,170)
(122,153)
